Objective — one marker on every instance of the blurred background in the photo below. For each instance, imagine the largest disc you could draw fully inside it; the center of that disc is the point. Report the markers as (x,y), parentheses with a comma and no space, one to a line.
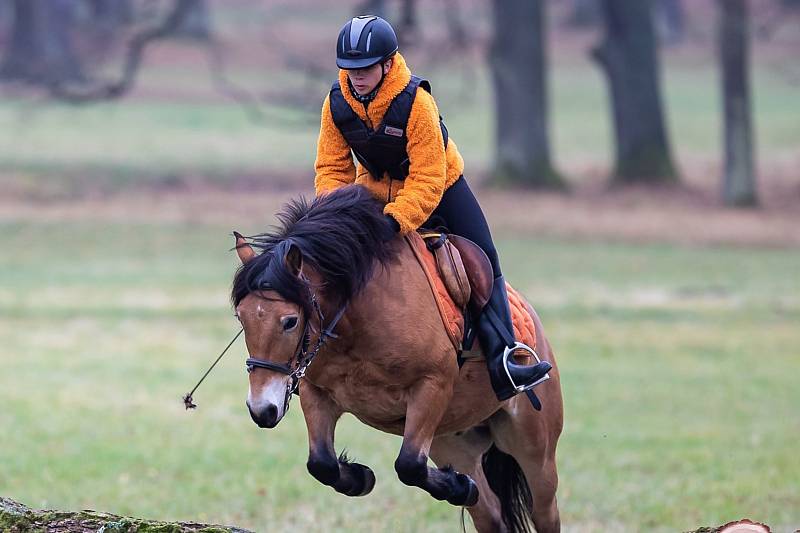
(637,161)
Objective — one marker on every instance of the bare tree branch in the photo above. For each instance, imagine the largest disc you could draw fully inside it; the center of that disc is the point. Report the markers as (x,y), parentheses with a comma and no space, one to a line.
(133,59)
(455,25)
(253,105)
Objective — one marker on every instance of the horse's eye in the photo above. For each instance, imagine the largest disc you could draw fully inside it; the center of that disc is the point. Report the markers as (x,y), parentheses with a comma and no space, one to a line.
(289,323)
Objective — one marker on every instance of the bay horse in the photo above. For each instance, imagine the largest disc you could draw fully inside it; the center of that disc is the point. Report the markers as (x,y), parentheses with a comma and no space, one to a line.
(327,287)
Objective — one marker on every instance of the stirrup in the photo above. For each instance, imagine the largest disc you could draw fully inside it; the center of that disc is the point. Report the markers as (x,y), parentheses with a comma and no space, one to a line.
(507,351)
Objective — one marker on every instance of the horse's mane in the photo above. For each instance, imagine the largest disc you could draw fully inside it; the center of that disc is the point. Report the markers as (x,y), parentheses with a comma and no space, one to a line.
(338,234)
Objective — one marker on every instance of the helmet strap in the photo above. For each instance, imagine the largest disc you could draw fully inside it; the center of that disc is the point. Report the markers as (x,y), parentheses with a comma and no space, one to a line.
(367,98)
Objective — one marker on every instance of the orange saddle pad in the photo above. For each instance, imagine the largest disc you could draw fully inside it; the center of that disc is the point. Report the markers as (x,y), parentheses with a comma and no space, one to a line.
(452,316)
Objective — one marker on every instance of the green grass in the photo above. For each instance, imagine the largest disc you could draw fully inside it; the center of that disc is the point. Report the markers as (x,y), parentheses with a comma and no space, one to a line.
(679,371)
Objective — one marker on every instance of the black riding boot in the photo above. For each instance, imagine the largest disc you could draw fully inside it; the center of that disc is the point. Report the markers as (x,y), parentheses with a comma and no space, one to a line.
(495,333)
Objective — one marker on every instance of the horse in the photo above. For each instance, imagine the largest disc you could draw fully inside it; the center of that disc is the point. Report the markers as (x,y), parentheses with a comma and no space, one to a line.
(328,287)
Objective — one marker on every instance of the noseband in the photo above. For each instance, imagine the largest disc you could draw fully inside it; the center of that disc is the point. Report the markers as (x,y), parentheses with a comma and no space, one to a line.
(296,367)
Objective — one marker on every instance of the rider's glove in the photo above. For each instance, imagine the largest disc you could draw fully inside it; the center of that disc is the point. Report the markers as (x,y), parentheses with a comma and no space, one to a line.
(392,228)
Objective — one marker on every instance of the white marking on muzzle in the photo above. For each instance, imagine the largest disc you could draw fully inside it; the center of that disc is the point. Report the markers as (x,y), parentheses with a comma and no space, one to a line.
(274,392)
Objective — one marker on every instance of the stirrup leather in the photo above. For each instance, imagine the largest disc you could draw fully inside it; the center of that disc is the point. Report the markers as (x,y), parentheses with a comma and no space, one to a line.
(507,351)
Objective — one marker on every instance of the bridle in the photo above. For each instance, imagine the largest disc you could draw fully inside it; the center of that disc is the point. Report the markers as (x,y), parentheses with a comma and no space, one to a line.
(296,367)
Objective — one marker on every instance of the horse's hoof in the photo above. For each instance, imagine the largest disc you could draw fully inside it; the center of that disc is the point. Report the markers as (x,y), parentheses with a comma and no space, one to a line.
(470,495)
(367,481)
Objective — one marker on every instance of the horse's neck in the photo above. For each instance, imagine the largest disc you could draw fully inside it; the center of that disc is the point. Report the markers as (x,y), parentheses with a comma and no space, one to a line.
(391,307)
(391,338)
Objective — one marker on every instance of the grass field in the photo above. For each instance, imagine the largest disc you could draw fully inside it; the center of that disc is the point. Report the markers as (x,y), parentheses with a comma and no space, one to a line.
(679,362)
(679,371)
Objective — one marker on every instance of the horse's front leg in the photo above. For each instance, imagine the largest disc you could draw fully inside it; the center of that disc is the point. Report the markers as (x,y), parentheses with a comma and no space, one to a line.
(321,414)
(426,406)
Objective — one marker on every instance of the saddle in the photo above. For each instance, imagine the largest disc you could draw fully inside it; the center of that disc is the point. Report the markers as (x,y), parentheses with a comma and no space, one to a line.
(461,277)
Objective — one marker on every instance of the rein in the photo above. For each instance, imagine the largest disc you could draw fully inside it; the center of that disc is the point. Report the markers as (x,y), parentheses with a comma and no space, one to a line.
(187,399)
(297,366)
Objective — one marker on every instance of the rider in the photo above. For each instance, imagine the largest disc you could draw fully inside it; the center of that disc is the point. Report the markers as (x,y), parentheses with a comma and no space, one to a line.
(406,159)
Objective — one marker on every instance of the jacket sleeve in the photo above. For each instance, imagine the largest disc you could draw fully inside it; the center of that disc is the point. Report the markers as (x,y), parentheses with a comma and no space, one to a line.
(425,184)
(334,165)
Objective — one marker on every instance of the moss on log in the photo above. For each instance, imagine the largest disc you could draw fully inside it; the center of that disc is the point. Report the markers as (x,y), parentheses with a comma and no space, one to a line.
(15,517)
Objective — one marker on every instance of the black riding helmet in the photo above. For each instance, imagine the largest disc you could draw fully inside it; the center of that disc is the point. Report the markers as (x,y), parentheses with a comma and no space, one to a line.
(365,41)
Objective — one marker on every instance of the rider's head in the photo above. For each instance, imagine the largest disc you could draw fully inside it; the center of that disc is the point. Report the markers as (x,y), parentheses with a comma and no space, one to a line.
(365,47)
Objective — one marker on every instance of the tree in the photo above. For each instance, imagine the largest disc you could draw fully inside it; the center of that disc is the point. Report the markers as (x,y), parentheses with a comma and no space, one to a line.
(671,21)
(739,180)
(373,7)
(408,29)
(40,50)
(197,22)
(111,13)
(518,66)
(583,13)
(628,57)
(455,25)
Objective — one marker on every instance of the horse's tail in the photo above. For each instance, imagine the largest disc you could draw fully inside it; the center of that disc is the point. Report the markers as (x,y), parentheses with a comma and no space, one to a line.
(508,482)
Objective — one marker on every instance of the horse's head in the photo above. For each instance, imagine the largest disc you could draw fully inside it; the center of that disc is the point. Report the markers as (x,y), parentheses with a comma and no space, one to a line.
(274,329)
(323,250)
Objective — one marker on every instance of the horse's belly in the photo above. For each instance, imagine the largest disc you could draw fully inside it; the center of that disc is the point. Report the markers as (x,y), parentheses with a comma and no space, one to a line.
(473,400)
(384,406)
(380,407)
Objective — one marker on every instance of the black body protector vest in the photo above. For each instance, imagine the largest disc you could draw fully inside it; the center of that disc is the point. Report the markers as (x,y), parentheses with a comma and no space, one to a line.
(384,148)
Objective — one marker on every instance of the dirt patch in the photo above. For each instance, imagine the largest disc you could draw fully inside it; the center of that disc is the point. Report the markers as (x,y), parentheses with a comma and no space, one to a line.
(689,215)
(642,215)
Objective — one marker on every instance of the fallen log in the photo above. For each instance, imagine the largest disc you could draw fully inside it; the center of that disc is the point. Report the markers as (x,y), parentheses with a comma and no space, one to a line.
(17,518)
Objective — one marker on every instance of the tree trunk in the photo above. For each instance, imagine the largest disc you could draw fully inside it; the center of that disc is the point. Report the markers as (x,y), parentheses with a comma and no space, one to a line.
(583,13)
(408,30)
(628,57)
(197,23)
(5,16)
(518,67)
(455,26)
(670,18)
(739,181)
(40,50)
(112,13)
(373,7)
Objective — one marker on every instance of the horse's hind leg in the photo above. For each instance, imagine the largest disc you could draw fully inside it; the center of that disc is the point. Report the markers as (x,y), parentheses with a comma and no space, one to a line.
(425,409)
(524,434)
(321,414)
(464,452)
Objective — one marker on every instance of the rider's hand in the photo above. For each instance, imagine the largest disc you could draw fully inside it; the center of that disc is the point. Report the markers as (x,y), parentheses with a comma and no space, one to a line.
(392,228)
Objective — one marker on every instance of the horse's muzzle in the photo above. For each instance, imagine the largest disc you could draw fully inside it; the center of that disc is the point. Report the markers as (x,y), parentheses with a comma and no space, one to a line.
(267,418)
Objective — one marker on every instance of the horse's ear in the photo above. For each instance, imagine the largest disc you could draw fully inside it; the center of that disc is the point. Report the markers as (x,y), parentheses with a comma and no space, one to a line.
(294,259)
(244,250)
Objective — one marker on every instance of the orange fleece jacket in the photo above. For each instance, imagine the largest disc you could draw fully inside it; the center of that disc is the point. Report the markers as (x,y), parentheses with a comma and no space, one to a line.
(432,169)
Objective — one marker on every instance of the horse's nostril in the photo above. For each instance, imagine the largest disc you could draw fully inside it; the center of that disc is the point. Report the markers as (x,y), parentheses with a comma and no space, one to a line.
(267,418)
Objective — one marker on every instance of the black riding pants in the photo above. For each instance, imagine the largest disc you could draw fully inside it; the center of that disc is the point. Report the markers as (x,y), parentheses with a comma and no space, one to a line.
(460,213)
